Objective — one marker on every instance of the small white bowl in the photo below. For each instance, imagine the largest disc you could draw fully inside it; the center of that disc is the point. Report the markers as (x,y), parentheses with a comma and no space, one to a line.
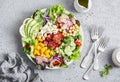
(116,57)
(80,8)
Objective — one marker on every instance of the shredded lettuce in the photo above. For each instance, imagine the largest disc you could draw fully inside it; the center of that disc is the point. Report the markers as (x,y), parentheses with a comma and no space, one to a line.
(76,54)
(55,10)
(78,36)
(67,40)
(70,51)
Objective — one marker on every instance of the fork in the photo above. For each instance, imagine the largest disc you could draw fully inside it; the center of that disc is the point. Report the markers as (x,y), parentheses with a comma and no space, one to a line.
(96,65)
(95,35)
(102,45)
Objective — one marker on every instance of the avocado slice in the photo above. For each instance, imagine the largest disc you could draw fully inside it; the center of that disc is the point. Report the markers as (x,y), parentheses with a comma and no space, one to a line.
(30,26)
(26,26)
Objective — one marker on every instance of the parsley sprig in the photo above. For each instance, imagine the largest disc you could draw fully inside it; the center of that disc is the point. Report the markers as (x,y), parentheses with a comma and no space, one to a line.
(106,71)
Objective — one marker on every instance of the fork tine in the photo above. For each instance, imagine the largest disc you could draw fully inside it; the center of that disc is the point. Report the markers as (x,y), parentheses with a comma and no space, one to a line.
(103,42)
(96,31)
(106,41)
(92,31)
(100,31)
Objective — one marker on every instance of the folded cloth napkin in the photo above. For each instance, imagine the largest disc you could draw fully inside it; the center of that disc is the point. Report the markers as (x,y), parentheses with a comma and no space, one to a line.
(14,69)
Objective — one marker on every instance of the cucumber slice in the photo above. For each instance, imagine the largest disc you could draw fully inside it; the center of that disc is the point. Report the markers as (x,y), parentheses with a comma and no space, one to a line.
(72,45)
(72,48)
(72,39)
(68,51)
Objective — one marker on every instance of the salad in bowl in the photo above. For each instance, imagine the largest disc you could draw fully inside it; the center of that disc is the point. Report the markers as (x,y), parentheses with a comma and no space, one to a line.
(52,37)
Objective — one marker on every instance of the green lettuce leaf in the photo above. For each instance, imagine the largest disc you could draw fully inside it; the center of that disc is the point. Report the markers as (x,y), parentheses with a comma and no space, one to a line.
(55,10)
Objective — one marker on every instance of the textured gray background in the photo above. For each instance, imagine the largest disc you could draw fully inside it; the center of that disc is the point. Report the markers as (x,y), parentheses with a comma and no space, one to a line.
(104,13)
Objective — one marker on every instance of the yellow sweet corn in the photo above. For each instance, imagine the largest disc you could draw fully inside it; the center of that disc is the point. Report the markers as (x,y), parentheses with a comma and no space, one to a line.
(36,52)
(39,39)
(41,50)
(48,56)
(51,52)
(41,44)
(46,53)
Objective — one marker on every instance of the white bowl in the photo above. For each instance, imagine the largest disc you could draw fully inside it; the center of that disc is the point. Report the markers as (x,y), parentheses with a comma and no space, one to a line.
(116,57)
(22,35)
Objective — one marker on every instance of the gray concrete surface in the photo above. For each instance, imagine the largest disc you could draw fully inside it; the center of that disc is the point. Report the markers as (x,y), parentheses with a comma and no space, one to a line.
(104,13)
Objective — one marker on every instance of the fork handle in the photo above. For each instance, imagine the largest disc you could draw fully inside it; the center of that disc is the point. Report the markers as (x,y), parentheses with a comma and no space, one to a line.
(96,65)
(86,58)
(88,72)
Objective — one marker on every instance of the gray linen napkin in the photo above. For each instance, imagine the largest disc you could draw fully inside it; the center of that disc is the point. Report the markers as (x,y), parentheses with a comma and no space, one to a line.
(14,69)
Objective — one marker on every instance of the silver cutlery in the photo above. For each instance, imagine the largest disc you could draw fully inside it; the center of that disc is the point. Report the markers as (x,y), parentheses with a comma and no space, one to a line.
(96,65)
(95,35)
(101,47)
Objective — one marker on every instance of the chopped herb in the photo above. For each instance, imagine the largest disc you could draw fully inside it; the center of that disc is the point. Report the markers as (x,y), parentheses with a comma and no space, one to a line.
(106,71)
(71,15)
(67,40)
(32,42)
(27,51)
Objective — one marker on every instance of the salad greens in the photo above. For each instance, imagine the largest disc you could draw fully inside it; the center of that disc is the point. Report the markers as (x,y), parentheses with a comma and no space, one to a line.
(69,50)
(78,36)
(38,16)
(71,15)
(55,10)
(106,71)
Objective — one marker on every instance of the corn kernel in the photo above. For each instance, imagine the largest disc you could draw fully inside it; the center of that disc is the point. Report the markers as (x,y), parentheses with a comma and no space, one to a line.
(43,50)
(42,55)
(47,55)
(41,44)
(47,52)
(36,52)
